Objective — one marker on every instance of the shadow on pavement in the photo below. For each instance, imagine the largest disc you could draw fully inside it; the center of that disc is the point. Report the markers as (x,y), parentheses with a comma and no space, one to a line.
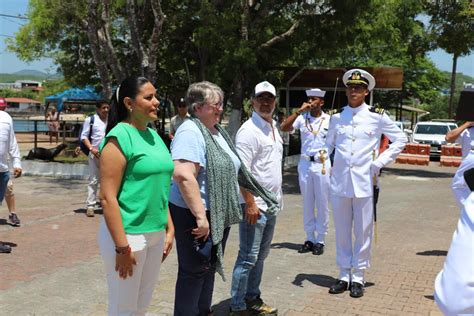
(430,297)
(5,222)
(221,308)
(83,211)
(422,173)
(11,244)
(286,245)
(436,253)
(290,181)
(319,279)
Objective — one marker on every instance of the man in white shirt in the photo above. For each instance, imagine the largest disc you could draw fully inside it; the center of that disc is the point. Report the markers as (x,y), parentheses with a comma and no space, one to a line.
(91,136)
(8,149)
(454,285)
(355,133)
(260,148)
(313,168)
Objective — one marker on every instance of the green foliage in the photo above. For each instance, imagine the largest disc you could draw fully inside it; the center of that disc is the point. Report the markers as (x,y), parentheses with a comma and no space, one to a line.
(9,93)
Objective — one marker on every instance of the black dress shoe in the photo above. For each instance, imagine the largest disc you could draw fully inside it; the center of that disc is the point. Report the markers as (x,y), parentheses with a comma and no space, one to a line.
(357,290)
(318,249)
(339,287)
(5,248)
(307,247)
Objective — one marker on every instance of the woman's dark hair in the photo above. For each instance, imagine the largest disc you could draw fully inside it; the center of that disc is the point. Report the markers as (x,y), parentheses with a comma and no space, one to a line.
(118,111)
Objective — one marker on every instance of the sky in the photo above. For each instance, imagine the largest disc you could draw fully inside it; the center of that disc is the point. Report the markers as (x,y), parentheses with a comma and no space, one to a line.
(9,63)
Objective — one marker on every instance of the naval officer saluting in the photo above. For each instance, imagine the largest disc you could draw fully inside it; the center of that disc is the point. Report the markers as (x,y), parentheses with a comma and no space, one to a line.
(354,133)
(454,285)
(313,168)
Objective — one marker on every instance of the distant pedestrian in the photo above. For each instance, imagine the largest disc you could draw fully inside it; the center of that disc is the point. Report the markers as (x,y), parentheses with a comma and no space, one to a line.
(136,233)
(463,135)
(354,133)
(8,150)
(314,168)
(285,136)
(179,118)
(52,118)
(454,285)
(93,131)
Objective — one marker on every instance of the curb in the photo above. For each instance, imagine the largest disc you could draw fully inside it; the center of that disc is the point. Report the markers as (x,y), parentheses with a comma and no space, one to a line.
(55,169)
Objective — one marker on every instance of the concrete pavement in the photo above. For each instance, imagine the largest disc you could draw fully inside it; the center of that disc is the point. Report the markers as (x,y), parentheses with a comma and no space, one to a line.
(55,267)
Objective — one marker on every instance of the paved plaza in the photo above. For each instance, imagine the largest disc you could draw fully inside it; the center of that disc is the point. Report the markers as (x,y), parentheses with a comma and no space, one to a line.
(55,267)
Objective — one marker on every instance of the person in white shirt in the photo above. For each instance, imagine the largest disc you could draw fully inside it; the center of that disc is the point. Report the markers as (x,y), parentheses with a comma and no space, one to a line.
(463,135)
(8,149)
(313,169)
(260,149)
(91,136)
(355,133)
(454,285)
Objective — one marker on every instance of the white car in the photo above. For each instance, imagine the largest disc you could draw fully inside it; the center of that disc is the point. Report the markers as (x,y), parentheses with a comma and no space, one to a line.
(432,133)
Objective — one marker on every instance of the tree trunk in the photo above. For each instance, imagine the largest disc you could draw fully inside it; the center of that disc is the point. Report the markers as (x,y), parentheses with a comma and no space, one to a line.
(158,18)
(135,36)
(99,60)
(106,44)
(453,86)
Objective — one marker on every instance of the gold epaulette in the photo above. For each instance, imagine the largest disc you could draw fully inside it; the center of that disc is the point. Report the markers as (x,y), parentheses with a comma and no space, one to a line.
(377,109)
(334,111)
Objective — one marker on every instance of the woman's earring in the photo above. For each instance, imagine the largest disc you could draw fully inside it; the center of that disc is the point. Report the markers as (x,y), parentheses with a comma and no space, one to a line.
(130,109)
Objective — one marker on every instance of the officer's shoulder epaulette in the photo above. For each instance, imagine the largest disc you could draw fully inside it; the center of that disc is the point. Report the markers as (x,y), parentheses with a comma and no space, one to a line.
(334,111)
(376,109)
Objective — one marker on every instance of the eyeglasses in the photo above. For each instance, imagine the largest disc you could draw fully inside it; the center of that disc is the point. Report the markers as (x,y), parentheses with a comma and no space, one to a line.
(218,105)
(357,88)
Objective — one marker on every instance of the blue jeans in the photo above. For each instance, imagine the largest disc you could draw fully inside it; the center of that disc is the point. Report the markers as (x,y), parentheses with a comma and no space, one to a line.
(255,241)
(4,177)
(196,273)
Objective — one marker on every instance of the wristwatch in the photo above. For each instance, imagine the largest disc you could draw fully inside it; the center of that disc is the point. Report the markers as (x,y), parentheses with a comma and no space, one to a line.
(123,250)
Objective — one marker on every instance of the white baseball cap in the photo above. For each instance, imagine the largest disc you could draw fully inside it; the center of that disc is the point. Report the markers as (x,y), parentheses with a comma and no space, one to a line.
(265,86)
(315,93)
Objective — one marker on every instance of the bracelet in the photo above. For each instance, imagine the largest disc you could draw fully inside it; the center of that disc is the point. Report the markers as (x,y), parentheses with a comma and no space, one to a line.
(123,250)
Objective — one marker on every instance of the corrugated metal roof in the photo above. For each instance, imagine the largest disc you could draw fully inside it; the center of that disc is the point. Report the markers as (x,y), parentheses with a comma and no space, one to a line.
(21,100)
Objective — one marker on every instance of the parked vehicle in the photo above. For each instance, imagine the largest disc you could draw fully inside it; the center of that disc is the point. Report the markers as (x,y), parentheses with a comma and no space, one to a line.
(432,133)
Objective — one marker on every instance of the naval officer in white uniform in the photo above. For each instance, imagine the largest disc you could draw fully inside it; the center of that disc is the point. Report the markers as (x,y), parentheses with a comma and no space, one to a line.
(463,135)
(454,285)
(354,133)
(313,168)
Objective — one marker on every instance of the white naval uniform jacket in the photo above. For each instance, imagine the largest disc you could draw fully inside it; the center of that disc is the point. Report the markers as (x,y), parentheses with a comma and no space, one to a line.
(355,133)
(454,285)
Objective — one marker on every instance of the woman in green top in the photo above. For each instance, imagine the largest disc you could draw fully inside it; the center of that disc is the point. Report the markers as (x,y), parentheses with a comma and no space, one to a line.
(137,232)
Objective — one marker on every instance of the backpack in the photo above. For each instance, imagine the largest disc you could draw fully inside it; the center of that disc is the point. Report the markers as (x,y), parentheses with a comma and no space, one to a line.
(83,146)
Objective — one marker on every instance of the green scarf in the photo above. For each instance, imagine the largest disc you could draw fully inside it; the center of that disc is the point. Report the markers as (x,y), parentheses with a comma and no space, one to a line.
(222,191)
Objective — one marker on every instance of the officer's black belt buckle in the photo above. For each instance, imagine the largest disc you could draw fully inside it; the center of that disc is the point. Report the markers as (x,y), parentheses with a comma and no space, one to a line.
(311,158)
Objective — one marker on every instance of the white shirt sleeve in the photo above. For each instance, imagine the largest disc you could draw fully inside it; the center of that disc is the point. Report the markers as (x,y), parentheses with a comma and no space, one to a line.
(14,150)
(331,136)
(396,136)
(86,128)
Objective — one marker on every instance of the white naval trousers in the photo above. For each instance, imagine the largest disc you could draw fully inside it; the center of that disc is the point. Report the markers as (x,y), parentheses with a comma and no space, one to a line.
(353,214)
(132,296)
(314,187)
(94,175)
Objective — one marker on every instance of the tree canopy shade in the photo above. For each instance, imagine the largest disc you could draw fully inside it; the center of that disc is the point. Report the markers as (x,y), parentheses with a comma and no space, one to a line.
(235,44)
(452,25)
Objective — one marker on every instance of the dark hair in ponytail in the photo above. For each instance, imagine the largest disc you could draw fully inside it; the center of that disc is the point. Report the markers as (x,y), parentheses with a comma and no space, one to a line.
(118,111)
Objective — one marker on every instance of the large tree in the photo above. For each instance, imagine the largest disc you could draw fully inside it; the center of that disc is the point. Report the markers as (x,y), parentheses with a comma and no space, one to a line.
(452,23)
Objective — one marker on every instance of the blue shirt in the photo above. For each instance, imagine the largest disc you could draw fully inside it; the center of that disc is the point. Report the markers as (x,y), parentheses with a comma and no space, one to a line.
(188,144)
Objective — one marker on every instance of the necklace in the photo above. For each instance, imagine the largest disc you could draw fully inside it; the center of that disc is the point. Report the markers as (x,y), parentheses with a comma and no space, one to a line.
(310,127)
